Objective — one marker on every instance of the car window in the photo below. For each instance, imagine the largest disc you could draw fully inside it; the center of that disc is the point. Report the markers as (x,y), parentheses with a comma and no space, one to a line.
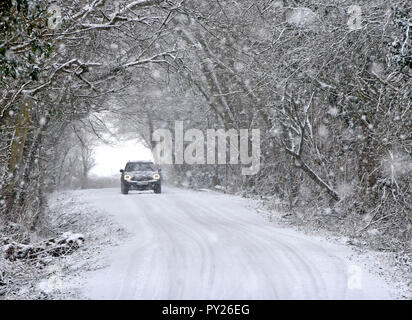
(140,166)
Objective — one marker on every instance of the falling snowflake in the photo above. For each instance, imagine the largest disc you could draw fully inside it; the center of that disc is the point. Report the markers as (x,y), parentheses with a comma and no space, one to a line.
(156,74)
(323,131)
(333,111)
(42,121)
(301,17)
(9,55)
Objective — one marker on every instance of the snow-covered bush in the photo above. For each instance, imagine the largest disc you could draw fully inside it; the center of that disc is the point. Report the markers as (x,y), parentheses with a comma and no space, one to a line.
(400,50)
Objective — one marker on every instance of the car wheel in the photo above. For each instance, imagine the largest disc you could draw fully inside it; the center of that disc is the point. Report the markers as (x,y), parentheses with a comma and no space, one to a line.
(157,189)
(124,189)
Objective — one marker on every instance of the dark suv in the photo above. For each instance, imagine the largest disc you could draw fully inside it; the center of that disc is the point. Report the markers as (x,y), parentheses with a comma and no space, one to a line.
(140,175)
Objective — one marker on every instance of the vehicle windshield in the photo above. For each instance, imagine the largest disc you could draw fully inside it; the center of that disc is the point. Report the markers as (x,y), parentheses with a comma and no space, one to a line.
(140,166)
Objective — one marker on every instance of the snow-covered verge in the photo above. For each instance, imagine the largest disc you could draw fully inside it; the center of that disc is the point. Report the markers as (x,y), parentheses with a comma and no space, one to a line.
(30,274)
(391,262)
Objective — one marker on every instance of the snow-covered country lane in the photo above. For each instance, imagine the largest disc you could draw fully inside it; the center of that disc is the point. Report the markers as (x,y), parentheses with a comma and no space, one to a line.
(206,245)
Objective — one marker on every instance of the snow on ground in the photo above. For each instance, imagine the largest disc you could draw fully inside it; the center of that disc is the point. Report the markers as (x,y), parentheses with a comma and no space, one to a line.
(386,265)
(100,233)
(61,277)
(186,244)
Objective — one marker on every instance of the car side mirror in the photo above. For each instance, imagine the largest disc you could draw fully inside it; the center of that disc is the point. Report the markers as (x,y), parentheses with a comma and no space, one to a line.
(121,170)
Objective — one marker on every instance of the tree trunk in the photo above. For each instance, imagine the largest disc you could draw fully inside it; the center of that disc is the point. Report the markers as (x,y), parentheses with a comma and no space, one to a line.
(15,154)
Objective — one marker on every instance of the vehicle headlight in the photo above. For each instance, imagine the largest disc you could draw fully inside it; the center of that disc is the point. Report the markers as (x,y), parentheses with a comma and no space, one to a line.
(156,176)
(127,177)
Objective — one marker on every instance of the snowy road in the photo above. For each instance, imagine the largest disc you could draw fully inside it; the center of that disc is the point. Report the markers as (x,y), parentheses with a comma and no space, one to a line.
(206,245)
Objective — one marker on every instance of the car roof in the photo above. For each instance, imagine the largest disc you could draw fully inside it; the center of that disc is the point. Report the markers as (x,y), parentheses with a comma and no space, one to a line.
(139,161)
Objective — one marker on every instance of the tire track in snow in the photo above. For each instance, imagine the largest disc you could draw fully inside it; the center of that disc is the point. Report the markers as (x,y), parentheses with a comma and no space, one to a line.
(197,245)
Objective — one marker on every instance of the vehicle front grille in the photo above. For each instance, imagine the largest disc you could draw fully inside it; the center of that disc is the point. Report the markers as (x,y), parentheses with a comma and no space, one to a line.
(141,178)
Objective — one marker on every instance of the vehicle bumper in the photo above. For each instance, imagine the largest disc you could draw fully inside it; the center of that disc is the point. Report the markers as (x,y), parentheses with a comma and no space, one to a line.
(142,185)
